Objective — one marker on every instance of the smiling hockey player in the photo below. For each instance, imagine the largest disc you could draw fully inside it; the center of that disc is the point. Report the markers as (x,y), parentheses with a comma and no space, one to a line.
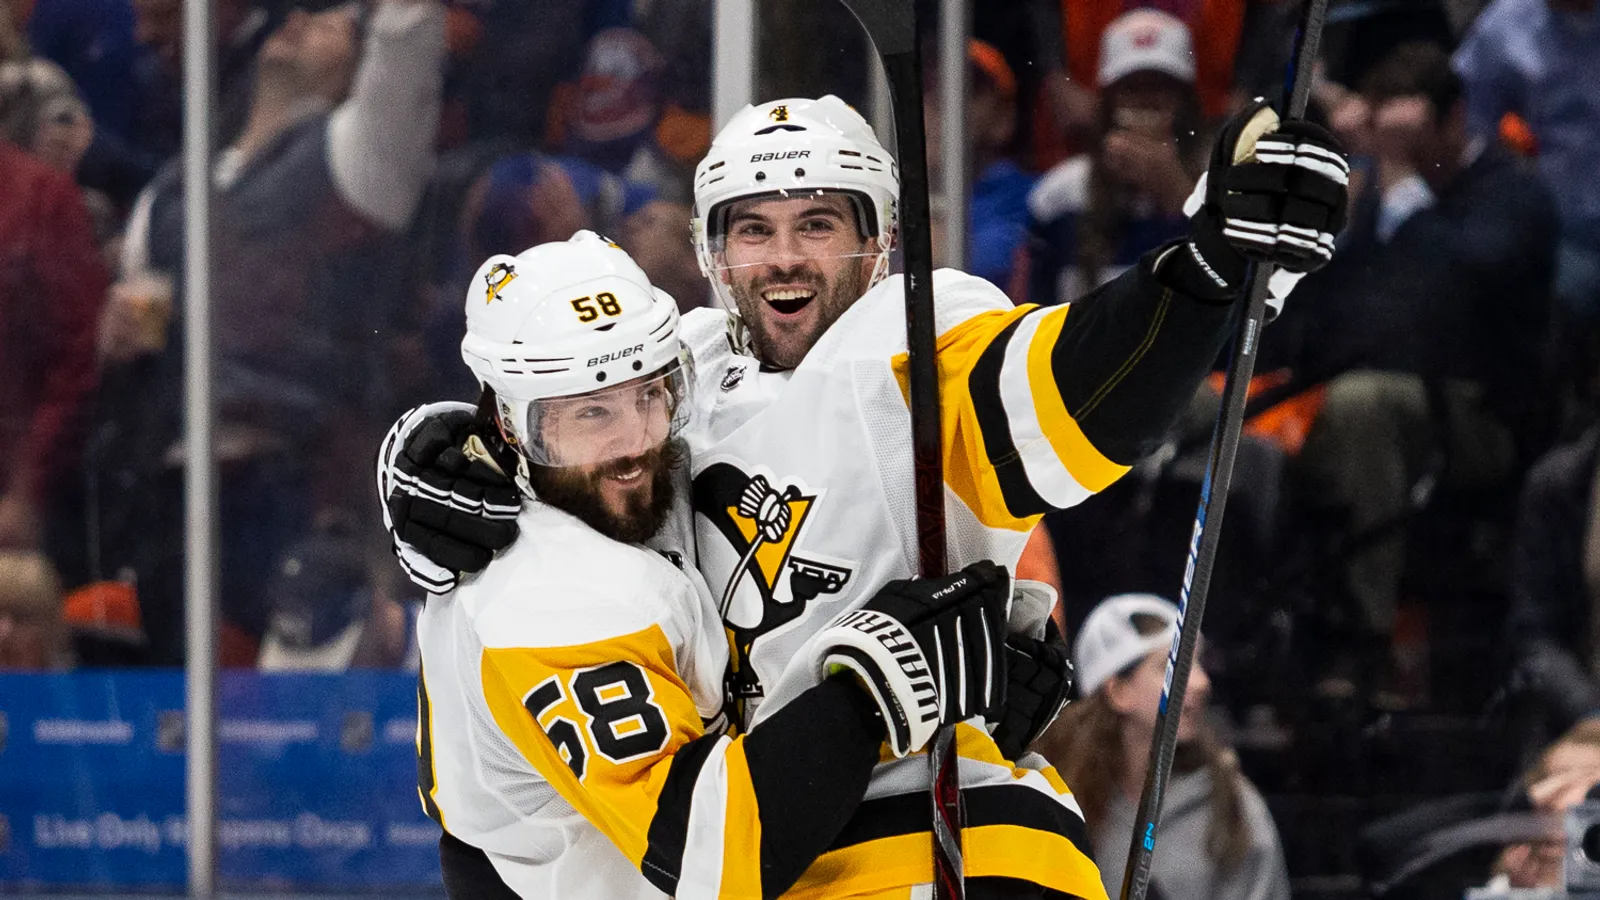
(800,447)
(564,697)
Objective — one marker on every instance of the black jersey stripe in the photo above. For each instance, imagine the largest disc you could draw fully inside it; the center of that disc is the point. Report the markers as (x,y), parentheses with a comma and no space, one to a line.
(995,804)
(984,385)
(669,827)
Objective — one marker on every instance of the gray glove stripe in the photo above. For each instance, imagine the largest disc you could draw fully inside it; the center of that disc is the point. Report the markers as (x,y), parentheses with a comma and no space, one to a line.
(1252,227)
(1266,241)
(423,491)
(961,670)
(1309,234)
(435,579)
(1325,155)
(988,669)
(1320,241)
(1306,156)
(1327,170)
(1277,146)
(1275,155)
(1297,241)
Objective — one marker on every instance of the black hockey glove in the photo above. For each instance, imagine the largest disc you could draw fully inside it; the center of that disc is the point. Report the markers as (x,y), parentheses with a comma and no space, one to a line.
(447,515)
(931,651)
(1039,678)
(1276,192)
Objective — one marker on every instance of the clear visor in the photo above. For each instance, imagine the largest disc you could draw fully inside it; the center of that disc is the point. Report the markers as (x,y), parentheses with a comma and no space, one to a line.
(780,247)
(624,420)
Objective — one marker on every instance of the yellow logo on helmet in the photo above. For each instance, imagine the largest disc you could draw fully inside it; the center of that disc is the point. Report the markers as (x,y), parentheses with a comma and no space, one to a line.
(499,275)
(779,113)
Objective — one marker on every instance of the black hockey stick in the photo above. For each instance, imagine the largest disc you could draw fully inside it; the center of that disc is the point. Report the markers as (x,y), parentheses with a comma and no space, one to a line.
(1213,497)
(892,27)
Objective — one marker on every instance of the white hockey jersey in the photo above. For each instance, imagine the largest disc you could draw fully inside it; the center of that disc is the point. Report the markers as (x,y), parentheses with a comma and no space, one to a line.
(831,439)
(556,688)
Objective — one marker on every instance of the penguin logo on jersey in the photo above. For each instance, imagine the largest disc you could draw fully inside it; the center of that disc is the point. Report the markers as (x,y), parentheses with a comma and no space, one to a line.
(762,522)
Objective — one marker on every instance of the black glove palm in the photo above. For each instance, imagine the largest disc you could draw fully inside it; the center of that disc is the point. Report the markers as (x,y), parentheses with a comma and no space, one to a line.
(1039,679)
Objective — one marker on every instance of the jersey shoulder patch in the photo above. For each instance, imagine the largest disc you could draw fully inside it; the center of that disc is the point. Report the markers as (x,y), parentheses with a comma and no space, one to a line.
(710,335)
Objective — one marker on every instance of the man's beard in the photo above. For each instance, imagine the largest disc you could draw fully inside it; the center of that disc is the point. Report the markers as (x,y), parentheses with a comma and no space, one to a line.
(831,302)
(578,494)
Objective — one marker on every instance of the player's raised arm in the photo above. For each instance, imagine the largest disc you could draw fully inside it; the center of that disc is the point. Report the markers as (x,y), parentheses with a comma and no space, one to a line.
(1047,405)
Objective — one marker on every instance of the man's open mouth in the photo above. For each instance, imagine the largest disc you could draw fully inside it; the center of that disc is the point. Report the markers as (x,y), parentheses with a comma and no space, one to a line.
(789,301)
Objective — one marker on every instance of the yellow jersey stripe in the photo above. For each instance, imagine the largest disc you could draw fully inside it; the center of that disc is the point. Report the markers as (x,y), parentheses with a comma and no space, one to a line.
(1013,830)
(1044,471)
(1086,464)
(1032,855)
(741,875)
(427,765)
(968,470)
(870,868)
(505,704)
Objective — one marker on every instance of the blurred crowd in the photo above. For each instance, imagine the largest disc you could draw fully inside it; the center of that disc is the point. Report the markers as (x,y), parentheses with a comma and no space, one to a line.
(1416,520)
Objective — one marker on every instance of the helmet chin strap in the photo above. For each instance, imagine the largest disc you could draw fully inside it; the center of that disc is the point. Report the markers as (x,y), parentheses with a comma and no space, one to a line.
(477,449)
(488,445)
(880,269)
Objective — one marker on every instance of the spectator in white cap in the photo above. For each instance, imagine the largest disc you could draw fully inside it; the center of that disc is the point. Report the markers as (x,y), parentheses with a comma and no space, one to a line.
(1094,214)
(1217,840)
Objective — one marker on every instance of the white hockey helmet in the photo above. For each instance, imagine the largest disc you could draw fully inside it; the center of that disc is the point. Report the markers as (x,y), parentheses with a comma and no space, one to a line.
(792,147)
(573,332)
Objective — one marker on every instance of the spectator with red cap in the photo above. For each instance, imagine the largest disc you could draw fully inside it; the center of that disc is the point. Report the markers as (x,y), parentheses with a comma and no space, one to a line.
(1092,216)
(1223,72)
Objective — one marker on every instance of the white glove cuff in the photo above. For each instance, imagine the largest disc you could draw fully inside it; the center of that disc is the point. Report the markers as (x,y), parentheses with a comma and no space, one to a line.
(427,574)
(1197,197)
(882,651)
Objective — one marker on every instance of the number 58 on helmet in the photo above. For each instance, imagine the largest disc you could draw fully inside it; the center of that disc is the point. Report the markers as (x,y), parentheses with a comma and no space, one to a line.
(581,351)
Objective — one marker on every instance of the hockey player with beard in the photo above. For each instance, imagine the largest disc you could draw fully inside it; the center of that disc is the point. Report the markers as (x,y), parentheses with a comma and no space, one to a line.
(568,709)
(799,444)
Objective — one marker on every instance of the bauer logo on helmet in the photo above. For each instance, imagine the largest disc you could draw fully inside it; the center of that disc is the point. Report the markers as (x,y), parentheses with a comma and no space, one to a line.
(777,155)
(615,355)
